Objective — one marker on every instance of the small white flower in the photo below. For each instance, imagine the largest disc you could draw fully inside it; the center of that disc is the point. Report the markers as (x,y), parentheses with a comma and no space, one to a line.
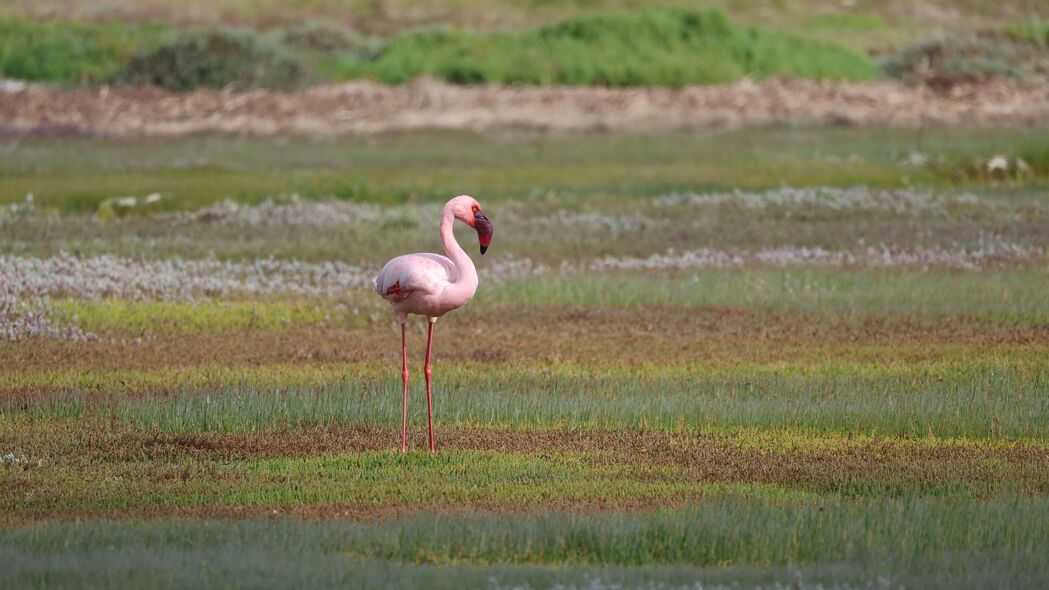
(152,198)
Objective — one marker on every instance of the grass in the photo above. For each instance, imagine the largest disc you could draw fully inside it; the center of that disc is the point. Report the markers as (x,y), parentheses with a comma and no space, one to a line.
(1001,395)
(1015,297)
(72,52)
(274,554)
(722,532)
(122,316)
(662,47)
(86,468)
(1011,297)
(427,167)
(1033,30)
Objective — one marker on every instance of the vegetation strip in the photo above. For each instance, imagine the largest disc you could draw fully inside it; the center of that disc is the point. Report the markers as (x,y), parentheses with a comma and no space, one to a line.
(128,471)
(655,46)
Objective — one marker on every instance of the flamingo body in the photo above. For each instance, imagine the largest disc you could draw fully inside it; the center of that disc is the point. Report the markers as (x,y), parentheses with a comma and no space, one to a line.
(432,285)
(416,284)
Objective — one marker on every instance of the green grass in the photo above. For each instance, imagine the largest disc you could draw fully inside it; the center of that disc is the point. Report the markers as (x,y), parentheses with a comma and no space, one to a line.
(664,47)
(731,530)
(100,467)
(159,316)
(72,52)
(993,397)
(80,175)
(1011,296)
(1033,30)
(726,542)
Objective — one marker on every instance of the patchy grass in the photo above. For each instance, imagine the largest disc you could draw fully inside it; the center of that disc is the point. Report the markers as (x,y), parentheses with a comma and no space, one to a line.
(83,468)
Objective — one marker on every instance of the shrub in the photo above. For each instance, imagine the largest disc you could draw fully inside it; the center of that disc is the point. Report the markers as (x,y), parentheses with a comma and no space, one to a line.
(328,39)
(219,59)
(665,46)
(70,52)
(973,57)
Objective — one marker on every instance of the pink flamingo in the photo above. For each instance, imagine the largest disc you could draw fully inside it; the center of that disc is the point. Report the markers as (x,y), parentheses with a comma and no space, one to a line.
(432,285)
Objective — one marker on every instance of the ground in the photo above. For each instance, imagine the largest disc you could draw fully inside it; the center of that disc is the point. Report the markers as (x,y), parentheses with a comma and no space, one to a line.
(798,356)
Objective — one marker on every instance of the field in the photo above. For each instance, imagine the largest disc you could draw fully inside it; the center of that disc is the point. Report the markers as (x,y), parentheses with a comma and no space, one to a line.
(785,357)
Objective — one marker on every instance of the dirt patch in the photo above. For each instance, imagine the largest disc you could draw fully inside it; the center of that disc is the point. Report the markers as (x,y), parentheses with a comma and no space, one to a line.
(364,108)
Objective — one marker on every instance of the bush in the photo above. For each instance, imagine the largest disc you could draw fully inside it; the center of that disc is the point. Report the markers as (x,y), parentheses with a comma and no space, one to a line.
(973,57)
(328,39)
(666,46)
(238,60)
(70,52)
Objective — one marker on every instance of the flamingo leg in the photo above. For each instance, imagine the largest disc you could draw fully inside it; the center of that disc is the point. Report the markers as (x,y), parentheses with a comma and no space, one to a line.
(429,375)
(404,376)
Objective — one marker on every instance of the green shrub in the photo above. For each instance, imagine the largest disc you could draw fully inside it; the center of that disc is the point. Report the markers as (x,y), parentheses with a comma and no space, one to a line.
(218,59)
(70,52)
(973,57)
(666,46)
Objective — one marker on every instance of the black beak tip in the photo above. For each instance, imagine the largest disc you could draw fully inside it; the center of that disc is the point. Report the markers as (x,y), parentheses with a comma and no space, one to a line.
(483,250)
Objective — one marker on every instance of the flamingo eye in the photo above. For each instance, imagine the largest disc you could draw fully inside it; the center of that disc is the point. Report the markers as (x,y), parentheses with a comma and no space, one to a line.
(475,208)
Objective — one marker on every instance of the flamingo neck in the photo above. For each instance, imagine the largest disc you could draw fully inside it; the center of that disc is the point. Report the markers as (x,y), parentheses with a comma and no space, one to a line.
(464,287)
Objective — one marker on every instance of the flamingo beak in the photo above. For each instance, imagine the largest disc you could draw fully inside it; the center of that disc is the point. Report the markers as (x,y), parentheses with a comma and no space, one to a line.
(484,231)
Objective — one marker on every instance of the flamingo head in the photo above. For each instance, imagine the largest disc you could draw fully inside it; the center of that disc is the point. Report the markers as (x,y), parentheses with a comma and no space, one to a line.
(467,210)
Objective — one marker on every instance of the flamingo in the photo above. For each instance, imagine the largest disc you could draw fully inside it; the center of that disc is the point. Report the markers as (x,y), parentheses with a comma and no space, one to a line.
(431,285)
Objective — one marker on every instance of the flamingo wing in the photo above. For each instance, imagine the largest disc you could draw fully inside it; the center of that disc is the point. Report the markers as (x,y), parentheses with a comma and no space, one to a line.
(407,274)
